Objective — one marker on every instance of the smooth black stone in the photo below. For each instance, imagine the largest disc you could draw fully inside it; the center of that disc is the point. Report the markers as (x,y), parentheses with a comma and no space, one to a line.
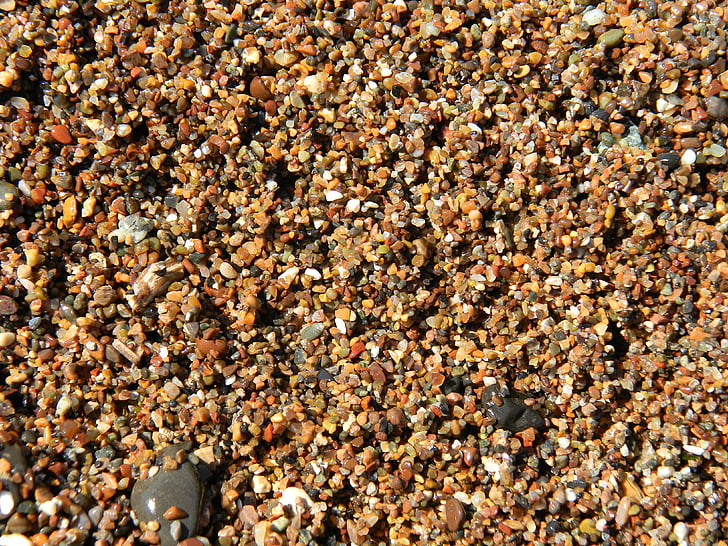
(513,414)
(182,487)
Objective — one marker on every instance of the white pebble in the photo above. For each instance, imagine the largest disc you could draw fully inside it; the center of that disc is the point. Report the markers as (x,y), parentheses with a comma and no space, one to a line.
(261,485)
(688,157)
(681,530)
(296,498)
(312,273)
(353,205)
(7,504)
(333,195)
(695,450)
(65,404)
(49,507)
(665,472)
(593,17)
(15,539)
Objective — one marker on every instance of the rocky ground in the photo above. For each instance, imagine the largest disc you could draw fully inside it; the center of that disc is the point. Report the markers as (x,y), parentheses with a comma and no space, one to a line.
(325,272)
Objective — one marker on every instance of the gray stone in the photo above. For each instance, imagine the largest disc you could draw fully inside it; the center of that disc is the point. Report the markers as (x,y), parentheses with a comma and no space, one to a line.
(134,226)
(716,107)
(509,410)
(8,196)
(152,497)
(312,331)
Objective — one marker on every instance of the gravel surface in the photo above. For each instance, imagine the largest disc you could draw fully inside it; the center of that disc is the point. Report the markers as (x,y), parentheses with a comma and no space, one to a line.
(324,272)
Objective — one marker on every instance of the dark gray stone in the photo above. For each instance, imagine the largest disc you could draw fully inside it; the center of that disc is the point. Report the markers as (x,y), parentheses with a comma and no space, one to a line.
(716,107)
(670,160)
(509,410)
(152,497)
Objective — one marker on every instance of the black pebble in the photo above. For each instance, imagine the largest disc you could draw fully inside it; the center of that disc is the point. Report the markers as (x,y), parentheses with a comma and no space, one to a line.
(670,160)
(513,414)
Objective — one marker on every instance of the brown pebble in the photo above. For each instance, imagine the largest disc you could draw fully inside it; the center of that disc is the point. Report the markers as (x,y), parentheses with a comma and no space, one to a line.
(60,134)
(259,90)
(191,542)
(7,305)
(18,523)
(469,455)
(248,516)
(104,295)
(207,346)
(395,416)
(174,512)
(454,513)
(377,374)
(684,127)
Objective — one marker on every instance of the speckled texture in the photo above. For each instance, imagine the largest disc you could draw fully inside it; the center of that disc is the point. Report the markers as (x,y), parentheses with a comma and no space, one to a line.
(306,237)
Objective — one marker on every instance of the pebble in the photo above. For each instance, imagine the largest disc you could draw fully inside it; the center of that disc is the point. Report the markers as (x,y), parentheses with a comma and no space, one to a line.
(228,271)
(194,541)
(512,414)
(64,405)
(18,523)
(154,281)
(7,5)
(134,227)
(312,331)
(175,512)
(716,107)
(151,498)
(296,498)
(593,17)
(70,210)
(454,513)
(681,530)
(7,503)
(15,539)
(7,305)
(60,134)
(9,195)
(623,511)
(611,37)
(396,417)
(588,527)
(333,195)
(172,390)
(688,157)
(449,191)
(6,339)
(259,90)
(248,516)
(104,295)
(715,150)
(260,485)
(669,159)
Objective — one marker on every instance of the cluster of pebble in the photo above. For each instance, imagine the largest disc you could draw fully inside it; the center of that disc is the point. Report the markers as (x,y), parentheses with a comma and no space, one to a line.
(373,272)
